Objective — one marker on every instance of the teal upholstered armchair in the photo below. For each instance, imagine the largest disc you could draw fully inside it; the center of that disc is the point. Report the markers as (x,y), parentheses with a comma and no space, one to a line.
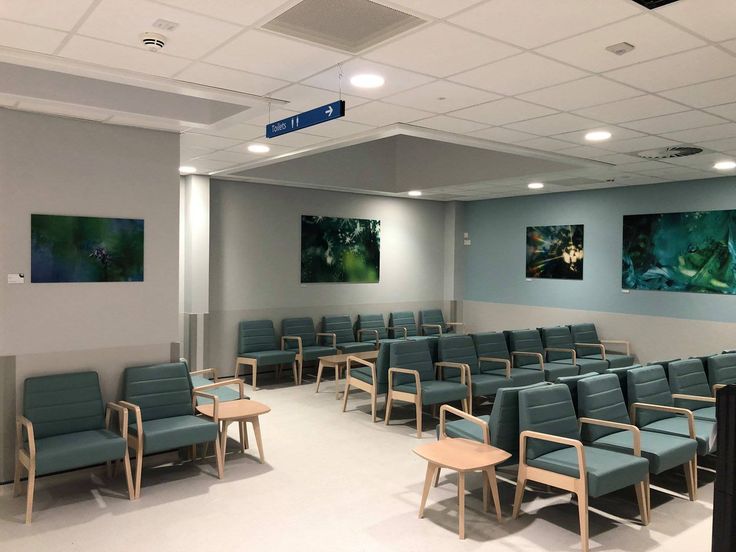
(207,380)
(299,335)
(371,327)
(722,369)
(560,348)
(690,388)
(589,345)
(494,358)
(342,328)
(432,322)
(551,452)
(401,324)
(160,400)
(258,346)
(64,426)
(413,379)
(527,351)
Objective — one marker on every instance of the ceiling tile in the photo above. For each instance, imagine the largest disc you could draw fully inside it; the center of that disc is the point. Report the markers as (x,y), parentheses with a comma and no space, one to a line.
(555,124)
(123,22)
(678,70)
(268,116)
(704,134)
(382,114)
(728,111)
(731,45)
(587,152)
(705,94)
(503,111)
(505,135)
(673,173)
(47,13)
(241,154)
(229,79)
(275,56)
(631,109)
(639,164)
(712,19)
(238,132)
(122,57)
(651,37)
(618,159)
(28,37)
(397,80)
(303,98)
(640,144)
(617,134)
(339,128)
(519,74)
(453,50)
(435,8)
(581,93)
(675,121)
(450,124)
(545,144)
(703,161)
(192,152)
(193,139)
(296,140)
(205,166)
(725,144)
(512,20)
(242,12)
(441,96)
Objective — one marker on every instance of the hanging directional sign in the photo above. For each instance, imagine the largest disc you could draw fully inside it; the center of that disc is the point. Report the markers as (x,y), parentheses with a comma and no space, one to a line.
(315,116)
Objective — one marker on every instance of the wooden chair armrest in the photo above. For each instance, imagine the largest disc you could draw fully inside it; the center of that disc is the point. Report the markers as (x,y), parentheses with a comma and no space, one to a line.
(394,328)
(711,400)
(361,332)
(417,379)
(215,402)
(618,342)
(598,346)
(617,425)
(137,413)
(506,362)
(371,365)
(454,323)
(21,423)
(445,408)
(527,353)
(212,371)
(464,369)
(122,418)
(662,408)
(717,387)
(296,338)
(223,383)
(438,326)
(553,439)
(562,350)
(327,334)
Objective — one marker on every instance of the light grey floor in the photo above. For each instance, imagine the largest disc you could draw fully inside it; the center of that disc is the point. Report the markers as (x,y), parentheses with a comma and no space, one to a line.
(331,481)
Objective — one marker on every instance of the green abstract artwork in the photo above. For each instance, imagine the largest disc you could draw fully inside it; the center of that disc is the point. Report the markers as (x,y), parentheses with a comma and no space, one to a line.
(340,250)
(86,249)
(693,252)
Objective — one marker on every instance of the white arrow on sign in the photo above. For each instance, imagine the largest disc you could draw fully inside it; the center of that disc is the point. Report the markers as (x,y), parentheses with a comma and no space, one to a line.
(329,111)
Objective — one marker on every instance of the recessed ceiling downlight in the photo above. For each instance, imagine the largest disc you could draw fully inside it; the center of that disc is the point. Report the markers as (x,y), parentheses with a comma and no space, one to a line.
(725,165)
(535,185)
(597,136)
(187,169)
(367,80)
(258,148)
(414,193)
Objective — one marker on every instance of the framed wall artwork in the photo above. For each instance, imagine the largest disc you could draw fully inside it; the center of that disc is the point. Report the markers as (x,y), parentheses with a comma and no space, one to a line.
(555,252)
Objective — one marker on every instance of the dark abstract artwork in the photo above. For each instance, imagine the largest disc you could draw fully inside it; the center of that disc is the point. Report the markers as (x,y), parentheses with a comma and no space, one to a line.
(86,249)
(340,250)
(693,252)
(554,252)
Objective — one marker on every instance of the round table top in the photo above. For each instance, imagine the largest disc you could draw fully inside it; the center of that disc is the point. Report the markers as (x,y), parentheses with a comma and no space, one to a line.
(461,454)
(235,410)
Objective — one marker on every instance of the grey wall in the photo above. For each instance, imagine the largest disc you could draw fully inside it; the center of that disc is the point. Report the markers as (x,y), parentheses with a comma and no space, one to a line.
(68,167)
(255,258)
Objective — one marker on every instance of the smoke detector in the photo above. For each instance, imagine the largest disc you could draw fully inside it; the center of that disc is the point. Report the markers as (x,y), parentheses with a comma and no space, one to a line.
(670,152)
(153,41)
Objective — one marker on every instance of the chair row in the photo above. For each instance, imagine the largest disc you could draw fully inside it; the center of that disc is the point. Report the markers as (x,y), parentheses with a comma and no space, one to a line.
(66,425)
(300,342)
(598,442)
(720,369)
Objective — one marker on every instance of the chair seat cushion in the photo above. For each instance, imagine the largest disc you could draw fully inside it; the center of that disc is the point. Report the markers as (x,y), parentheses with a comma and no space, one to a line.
(78,450)
(223,393)
(520,377)
(616,360)
(678,425)
(363,373)
(706,413)
(268,358)
(435,392)
(607,471)
(586,365)
(553,370)
(484,385)
(175,432)
(465,429)
(664,452)
(313,352)
(356,347)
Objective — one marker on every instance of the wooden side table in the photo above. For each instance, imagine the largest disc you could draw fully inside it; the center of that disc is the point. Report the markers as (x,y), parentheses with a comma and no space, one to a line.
(338,362)
(462,456)
(241,411)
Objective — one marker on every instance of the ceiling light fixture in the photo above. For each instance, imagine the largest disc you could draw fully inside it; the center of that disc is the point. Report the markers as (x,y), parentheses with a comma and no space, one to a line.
(725,165)
(367,80)
(414,193)
(258,148)
(598,136)
(535,185)
(187,169)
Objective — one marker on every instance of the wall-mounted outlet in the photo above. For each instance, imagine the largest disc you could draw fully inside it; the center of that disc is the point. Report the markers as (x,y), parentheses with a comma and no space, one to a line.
(17,278)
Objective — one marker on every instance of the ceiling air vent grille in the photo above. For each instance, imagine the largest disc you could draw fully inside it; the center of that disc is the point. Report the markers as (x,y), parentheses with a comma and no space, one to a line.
(670,152)
(654,4)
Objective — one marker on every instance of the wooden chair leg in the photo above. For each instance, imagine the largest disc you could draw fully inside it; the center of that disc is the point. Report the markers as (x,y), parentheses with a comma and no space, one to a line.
(519,496)
(431,469)
(345,394)
(29,492)
(223,437)
(296,373)
(692,492)
(128,476)
(583,514)
(695,472)
(437,477)
(641,499)
(420,425)
(243,435)
(490,477)
(17,487)
(254,372)
(389,406)
(461,503)
(301,370)
(319,375)
(374,405)
(138,469)
(219,456)
(259,442)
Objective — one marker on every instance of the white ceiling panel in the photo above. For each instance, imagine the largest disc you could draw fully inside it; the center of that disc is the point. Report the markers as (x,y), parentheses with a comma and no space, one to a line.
(731,45)
(727,111)
(631,109)
(519,74)
(453,50)
(501,112)
(192,152)
(29,37)
(238,132)
(581,93)
(678,70)
(450,124)
(613,158)
(275,56)
(555,124)
(193,139)
(242,12)
(339,128)
(441,96)
(381,114)
(704,134)
(713,19)
(303,98)
(705,94)
(275,114)
(55,14)
(531,23)
(229,79)
(675,121)
(435,8)
(504,135)
(617,134)
(640,144)
(651,37)
(122,57)
(725,144)
(546,144)
(204,165)
(296,140)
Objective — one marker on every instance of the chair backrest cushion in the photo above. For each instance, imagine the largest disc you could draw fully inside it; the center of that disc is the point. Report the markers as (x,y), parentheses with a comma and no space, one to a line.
(558,337)
(161,390)
(256,335)
(431,316)
(412,355)
(585,333)
(688,377)
(722,368)
(504,421)
(458,348)
(648,384)
(402,319)
(547,410)
(525,340)
(372,322)
(600,397)
(299,327)
(341,326)
(491,344)
(63,403)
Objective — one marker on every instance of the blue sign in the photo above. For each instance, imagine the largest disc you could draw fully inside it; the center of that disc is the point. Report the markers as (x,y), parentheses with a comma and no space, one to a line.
(315,116)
